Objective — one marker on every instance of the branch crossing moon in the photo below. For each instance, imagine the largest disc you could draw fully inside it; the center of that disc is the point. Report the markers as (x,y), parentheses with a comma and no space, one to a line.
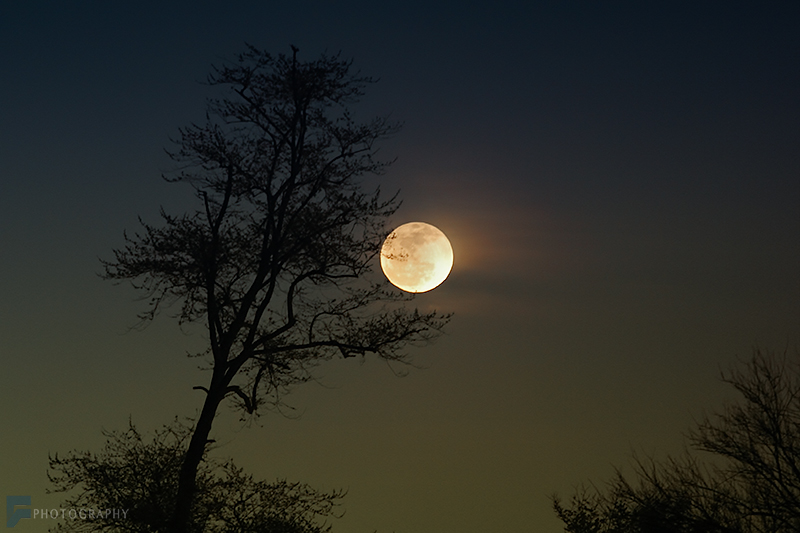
(416,257)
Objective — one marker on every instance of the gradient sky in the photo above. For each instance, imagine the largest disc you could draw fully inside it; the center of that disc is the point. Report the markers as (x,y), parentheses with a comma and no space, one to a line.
(620,183)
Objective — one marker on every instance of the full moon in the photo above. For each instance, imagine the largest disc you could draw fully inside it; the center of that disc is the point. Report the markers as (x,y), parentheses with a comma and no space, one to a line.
(416,257)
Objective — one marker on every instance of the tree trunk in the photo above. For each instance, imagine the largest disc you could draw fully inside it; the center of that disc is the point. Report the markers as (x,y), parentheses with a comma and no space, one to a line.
(182,514)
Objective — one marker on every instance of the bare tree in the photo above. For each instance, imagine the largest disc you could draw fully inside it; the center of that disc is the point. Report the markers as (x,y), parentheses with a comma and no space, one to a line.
(741,474)
(759,440)
(276,260)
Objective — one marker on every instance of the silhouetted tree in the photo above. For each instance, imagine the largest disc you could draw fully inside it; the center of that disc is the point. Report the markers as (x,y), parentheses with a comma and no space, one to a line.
(673,497)
(141,477)
(275,262)
(750,482)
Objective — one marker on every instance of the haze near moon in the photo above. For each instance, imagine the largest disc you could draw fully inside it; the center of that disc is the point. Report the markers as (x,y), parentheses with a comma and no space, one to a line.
(416,257)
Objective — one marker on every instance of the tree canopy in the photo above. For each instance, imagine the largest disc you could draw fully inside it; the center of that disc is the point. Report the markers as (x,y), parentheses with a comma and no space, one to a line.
(139,474)
(741,474)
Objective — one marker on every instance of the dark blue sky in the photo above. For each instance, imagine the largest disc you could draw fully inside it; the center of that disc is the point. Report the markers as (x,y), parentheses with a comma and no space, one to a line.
(620,183)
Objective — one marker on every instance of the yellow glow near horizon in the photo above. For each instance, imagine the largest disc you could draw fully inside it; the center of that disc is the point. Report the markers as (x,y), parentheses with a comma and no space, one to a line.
(416,257)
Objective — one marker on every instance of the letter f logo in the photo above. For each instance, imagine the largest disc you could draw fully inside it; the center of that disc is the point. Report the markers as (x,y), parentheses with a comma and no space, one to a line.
(14,515)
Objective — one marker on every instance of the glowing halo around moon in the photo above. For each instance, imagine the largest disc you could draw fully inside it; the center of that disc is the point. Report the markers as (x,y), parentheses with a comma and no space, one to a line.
(416,257)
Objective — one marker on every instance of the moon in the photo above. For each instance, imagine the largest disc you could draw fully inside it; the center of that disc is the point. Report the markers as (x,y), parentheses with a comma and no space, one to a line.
(416,257)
